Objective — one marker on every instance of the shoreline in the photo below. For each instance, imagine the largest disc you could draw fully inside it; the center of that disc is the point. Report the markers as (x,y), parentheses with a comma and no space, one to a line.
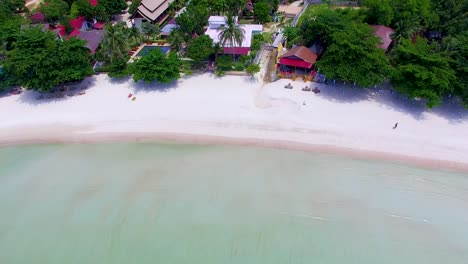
(204,109)
(73,136)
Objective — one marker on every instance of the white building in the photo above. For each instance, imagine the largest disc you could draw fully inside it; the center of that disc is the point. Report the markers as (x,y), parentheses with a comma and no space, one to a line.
(216,23)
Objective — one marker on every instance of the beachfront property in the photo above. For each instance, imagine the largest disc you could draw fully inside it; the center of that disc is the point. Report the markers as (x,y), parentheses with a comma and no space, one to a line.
(298,60)
(384,34)
(153,11)
(215,25)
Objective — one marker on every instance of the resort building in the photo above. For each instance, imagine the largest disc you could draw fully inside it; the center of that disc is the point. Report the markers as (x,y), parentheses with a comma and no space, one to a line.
(154,11)
(299,59)
(384,34)
(217,23)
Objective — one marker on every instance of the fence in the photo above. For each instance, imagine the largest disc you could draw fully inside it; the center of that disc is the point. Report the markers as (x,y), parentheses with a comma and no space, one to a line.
(296,19)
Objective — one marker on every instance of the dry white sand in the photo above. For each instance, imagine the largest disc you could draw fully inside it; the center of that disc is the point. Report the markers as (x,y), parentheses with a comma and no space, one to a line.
(238,109)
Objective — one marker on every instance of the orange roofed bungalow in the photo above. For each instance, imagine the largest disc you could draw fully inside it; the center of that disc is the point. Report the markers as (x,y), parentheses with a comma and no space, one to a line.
(297,60)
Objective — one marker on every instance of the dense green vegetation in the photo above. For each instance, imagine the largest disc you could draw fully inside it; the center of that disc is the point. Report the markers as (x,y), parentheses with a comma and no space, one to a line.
(427,58)
(200,49)
(40,61)
(156,66)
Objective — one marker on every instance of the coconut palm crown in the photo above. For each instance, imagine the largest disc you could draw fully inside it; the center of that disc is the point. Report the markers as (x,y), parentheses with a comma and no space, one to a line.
(231,34)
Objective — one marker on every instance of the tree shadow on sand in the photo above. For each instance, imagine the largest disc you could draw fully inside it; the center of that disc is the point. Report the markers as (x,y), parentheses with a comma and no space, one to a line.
(68,92)
(152,87)
(451,108)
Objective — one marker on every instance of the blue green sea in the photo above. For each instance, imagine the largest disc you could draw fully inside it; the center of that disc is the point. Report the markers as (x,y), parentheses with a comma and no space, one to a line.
(163,203)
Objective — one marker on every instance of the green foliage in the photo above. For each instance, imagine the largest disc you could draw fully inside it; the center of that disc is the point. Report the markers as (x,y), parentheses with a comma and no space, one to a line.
(39,61)
(194,18)
(133,7)
(232,34)
(224,63)
(156,66)
(9,30)
(112,7)
(353,56)
(253,69)
(9,7)
(321,26)
(453,18)
(150,30)
(456,48)
(85,9)
(54,10)
(176,40)
(421,72)
(114,45)
(262,12)
(133,34)
(200,48)
(379,12)
(421,10)
(257,40)
(6,80)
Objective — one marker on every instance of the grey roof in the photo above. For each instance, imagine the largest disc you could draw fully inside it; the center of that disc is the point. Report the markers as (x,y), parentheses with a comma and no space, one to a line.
(152,9)
(92,37)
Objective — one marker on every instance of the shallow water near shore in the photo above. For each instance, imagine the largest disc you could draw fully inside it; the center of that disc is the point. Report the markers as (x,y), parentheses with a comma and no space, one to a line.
(163,203)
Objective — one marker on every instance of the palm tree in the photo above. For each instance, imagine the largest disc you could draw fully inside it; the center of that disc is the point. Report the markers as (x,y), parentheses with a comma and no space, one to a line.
(114,44)
(176,40)
(231,34)
(150,29)
(135,34)
(404,29)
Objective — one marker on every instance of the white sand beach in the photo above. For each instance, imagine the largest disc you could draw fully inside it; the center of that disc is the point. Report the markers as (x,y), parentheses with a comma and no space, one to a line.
(236,109)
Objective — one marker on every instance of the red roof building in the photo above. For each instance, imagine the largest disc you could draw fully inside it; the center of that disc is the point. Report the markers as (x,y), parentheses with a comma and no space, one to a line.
(237,50)
(301,57)
(384,34)
(37,17)
(77,23)
(93,2)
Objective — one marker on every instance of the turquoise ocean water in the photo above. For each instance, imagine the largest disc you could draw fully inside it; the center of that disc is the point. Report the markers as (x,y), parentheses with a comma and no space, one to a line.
(162,203)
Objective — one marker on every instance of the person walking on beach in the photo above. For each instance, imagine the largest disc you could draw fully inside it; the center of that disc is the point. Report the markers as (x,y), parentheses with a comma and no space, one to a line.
(395,126)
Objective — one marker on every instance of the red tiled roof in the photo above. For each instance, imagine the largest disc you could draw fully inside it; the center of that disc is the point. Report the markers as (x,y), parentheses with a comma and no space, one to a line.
(237,50)
(299,57)
(37,17)
(77,22)
(295,63)
(74,33)
(99,25)
(384,34)
(93,2)
(61,30)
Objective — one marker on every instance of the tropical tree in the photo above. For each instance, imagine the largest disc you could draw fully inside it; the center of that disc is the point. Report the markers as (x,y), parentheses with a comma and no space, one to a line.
(231,34)
(54,10)
(194,18)
(379,12)
(156,66)
(133,6)
(134,34)
(176,40)
(40,61)
(353,56)
(262,11)
(150,29)
(422,72)
(200,49)
(114,46)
